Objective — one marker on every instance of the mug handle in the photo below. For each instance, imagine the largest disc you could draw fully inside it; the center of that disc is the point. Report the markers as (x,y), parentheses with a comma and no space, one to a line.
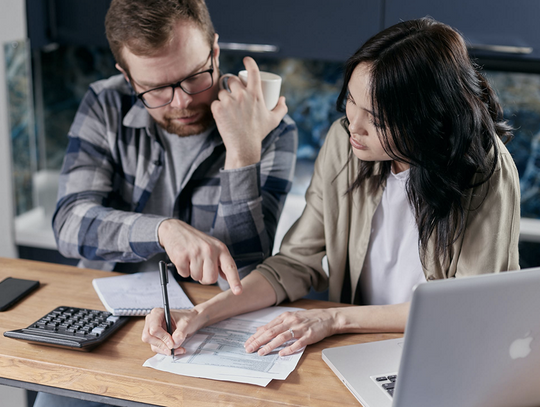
(224,82)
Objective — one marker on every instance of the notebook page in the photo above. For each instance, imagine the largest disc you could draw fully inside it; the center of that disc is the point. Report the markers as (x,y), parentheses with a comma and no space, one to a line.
(137,294)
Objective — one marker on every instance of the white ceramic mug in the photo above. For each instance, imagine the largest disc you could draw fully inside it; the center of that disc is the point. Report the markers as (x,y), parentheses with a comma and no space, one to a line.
(271,87)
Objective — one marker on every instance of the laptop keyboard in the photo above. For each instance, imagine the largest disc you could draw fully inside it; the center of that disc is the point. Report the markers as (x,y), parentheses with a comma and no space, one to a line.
(387,383)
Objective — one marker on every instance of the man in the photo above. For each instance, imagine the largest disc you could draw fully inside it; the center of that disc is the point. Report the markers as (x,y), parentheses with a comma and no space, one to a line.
(162,163)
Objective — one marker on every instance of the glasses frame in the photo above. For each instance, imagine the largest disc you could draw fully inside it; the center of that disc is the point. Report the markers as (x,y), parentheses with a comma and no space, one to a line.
(179,84)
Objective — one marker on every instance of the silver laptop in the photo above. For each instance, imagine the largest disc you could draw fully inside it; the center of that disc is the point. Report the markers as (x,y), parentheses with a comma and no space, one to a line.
(471,341)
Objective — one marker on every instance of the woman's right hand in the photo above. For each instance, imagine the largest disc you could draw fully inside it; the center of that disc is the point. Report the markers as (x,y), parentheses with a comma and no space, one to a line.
(184,323)
(258,294)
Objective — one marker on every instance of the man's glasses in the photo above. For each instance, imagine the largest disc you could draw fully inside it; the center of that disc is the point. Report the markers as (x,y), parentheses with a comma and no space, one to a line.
(193,84)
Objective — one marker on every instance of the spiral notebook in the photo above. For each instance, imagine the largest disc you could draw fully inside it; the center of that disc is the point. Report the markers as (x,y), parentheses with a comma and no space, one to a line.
(136,294)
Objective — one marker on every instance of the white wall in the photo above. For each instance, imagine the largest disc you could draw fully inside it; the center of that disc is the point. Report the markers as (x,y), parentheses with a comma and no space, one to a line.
(12,28)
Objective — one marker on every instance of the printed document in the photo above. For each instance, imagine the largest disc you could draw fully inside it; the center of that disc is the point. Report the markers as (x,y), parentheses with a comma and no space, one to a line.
(217,352)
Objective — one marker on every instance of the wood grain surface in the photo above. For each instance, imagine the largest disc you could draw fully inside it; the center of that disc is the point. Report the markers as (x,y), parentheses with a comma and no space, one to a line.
(115,369)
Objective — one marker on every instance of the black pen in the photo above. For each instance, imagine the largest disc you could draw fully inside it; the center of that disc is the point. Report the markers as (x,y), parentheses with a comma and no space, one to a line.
(164,278)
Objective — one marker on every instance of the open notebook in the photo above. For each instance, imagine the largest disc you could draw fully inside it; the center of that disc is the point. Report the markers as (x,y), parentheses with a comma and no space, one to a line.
(136,294)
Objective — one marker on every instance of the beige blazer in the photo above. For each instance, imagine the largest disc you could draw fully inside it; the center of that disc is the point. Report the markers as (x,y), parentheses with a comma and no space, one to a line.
(337,225)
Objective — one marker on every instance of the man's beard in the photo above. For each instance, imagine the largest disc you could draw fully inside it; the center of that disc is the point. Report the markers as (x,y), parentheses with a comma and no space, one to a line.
(183,130)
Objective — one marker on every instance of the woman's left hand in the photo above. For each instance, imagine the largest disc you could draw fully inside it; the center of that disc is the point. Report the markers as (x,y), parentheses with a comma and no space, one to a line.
(305,327)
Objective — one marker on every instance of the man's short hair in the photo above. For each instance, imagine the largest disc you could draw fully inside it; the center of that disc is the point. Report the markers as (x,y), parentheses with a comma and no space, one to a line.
(144,26)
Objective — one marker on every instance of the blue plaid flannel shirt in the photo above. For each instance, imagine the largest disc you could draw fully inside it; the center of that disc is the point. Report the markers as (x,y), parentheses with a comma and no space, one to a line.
(113,161)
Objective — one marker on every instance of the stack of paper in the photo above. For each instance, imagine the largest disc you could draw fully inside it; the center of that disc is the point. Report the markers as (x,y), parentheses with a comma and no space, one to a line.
(217,352)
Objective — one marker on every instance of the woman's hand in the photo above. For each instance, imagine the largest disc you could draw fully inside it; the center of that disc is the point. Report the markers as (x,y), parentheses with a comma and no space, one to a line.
(258,294)
(306,327)
(311,326)
(184,323)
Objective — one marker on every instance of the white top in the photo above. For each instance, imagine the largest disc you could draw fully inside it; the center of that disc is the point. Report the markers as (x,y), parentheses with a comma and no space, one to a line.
(392,266)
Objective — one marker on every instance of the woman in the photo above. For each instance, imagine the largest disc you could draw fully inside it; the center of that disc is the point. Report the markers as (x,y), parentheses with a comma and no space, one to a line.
(414,184)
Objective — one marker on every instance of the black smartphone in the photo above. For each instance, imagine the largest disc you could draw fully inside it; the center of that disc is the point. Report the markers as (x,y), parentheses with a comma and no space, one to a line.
(15,289)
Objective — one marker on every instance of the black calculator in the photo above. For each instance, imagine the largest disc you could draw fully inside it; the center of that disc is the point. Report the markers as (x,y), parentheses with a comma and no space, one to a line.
(72,328)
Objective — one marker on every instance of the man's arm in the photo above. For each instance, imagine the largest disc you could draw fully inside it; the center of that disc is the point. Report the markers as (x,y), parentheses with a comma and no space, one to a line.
(88,222)
(258,170)
(100,195)
(252,198)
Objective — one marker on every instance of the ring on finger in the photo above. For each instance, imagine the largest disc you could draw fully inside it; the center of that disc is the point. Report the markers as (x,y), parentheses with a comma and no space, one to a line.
(292,333)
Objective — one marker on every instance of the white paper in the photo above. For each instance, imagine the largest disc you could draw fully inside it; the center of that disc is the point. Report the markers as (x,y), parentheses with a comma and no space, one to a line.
(217,352)
(138,293)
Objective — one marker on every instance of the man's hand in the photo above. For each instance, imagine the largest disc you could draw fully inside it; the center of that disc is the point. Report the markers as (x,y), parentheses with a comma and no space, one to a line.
(242,118)
(197,254)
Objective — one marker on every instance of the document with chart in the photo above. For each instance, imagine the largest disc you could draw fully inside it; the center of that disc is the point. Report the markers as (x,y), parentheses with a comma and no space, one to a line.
(217,352)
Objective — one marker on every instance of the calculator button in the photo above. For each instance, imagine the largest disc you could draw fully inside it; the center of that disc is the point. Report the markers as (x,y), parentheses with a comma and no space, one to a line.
(98,330)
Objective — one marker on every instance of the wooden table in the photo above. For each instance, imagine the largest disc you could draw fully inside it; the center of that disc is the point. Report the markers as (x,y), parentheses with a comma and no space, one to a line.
(113,373)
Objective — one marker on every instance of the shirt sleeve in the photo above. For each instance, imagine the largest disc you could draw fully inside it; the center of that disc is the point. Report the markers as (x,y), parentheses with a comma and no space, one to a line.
(85,223)
(252,199)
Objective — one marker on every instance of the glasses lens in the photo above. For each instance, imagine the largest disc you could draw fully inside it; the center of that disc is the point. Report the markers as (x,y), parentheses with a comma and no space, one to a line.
(197,83)
(191,85)
(158,97)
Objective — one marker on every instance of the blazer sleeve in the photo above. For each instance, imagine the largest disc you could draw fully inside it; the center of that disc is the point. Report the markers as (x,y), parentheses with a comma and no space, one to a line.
(298,265)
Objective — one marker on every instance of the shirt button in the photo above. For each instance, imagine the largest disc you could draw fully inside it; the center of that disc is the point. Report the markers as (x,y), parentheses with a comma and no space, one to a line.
(157,163)
(431,278)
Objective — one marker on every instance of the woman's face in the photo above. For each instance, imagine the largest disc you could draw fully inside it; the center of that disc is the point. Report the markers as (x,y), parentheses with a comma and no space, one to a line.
(364,133)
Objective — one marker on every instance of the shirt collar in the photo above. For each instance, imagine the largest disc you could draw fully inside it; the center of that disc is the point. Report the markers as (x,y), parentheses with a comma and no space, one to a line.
(138,117)
(402,176)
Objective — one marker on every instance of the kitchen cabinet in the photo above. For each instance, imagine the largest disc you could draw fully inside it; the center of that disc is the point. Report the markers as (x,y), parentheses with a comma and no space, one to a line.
(492,29)
(313,29)
(66,22)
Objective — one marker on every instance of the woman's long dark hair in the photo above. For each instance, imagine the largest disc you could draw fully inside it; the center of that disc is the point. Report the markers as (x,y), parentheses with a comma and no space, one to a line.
(434,111)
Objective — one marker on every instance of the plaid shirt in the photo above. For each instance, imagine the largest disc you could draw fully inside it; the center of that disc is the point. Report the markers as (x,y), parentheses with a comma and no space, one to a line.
(113,160)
